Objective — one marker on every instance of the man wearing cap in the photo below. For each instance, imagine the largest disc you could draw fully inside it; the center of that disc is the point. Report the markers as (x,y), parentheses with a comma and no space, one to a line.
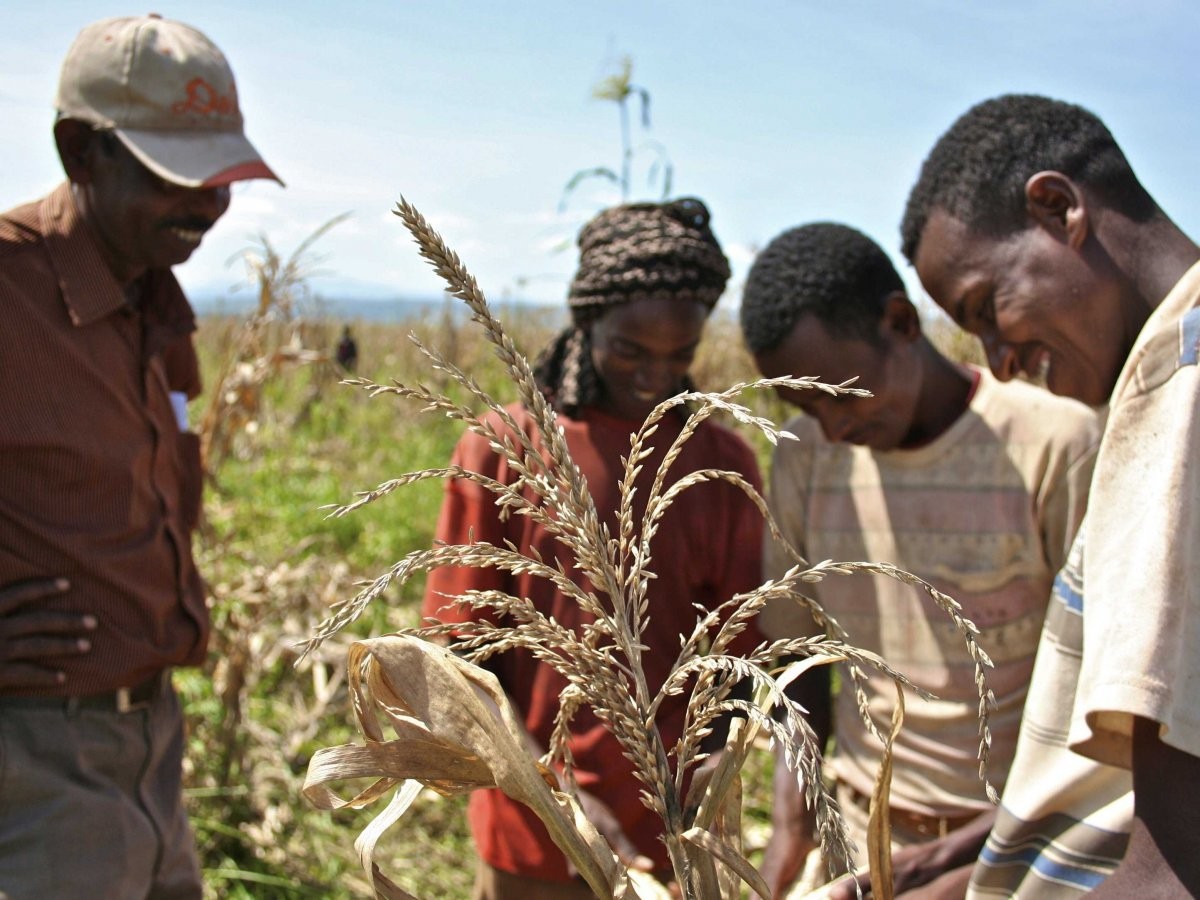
(100,485)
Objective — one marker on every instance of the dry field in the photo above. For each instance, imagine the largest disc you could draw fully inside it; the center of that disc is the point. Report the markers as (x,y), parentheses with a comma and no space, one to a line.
(291,440)
(286,440)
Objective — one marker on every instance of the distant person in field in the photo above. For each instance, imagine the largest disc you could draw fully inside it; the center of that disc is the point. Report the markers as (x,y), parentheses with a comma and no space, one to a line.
(347,351)
(100,479)
(648,277)
(1029,227)
(975,486)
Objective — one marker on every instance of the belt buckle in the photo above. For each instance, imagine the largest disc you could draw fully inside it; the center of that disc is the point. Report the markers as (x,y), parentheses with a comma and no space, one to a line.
(934,826)
(126,703)
(930,826)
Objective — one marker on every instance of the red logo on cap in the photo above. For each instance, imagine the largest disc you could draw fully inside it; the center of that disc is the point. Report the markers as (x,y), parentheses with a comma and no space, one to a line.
(204,99)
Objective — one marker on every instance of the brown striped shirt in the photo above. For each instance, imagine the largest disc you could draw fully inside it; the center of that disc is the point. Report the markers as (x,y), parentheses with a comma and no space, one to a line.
(98,484)
(986,513)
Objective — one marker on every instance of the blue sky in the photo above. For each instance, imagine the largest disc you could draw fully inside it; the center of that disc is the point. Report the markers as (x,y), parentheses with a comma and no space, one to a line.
(775,113)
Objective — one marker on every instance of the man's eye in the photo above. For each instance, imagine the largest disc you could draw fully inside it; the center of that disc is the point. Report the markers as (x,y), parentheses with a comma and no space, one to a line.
(984,311)
(989,311)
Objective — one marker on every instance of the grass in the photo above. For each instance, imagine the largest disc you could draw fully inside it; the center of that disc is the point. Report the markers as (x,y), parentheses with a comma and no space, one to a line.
(275,564)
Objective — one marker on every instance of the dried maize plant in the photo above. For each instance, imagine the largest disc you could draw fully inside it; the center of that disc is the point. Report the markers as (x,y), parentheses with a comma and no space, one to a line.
(242,773)
(452,726)
(270,341)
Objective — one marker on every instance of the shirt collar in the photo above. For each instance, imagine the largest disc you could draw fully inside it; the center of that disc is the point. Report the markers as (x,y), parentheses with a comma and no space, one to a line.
(89,290)
(1155,354)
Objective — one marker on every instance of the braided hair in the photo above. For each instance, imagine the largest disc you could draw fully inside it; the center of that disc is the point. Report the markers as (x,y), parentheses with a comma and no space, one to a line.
(638,251)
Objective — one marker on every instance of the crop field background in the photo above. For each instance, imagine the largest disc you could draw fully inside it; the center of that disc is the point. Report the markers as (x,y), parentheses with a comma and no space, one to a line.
(292,440)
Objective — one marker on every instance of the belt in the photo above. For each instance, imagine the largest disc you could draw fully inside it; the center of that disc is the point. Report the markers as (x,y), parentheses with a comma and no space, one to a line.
(122,700)
(922,823)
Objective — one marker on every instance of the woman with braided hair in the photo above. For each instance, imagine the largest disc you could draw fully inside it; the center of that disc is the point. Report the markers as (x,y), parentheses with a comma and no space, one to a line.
(649,275)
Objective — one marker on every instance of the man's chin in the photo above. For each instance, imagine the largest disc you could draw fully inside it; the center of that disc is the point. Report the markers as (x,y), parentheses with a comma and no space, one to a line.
(1077,386)
(174,257)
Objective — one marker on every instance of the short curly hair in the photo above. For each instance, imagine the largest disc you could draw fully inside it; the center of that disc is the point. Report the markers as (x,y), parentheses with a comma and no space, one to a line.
(978,169)
(829,270)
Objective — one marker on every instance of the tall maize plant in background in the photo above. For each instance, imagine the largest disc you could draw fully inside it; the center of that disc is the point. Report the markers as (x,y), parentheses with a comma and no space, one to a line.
(619,88)
(434,718)
(268,342)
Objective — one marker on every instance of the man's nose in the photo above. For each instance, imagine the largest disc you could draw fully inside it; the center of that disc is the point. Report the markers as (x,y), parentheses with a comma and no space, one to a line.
(210,202)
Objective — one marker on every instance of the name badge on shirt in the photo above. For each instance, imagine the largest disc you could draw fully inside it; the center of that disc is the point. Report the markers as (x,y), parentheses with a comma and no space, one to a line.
(179,405)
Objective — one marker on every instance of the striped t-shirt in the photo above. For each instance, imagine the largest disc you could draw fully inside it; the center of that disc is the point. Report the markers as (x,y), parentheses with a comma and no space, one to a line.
(1062,841)
(1128,645)
(986,513)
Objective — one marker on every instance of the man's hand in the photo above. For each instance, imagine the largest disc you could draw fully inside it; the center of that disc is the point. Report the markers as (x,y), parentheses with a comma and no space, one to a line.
(937,868)
(33,637)
(1161,860)
(951,885)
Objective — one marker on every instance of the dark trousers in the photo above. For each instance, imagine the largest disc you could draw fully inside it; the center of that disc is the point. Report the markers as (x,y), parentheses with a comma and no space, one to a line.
(90,803)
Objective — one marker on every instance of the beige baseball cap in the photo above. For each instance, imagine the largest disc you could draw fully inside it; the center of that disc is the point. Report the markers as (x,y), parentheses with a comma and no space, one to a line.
(167,92)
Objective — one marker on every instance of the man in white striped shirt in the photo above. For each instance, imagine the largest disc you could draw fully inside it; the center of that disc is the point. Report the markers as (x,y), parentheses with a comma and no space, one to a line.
(1029,227)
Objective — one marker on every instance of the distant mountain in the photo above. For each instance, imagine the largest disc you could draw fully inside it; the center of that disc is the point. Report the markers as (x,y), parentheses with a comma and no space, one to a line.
(355,309)
(387,309)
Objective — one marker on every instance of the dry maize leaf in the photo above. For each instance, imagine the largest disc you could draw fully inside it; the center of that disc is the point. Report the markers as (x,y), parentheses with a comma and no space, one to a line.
(728,829)
(702,867)
(879,828)
(384,887)
(627,885)
(720,815)
(711,784)
(720,803)
(430,762)
(710,879)
(433,697)
(731,858)
(634,884)
(794,670)
(723,775)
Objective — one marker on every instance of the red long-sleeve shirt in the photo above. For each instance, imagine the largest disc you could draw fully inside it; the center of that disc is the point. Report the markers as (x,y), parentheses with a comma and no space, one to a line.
(707,548)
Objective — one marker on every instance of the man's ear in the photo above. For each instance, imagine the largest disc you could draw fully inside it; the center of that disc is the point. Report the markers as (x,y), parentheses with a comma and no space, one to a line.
(900,320)
(1057,203)
(75,140)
